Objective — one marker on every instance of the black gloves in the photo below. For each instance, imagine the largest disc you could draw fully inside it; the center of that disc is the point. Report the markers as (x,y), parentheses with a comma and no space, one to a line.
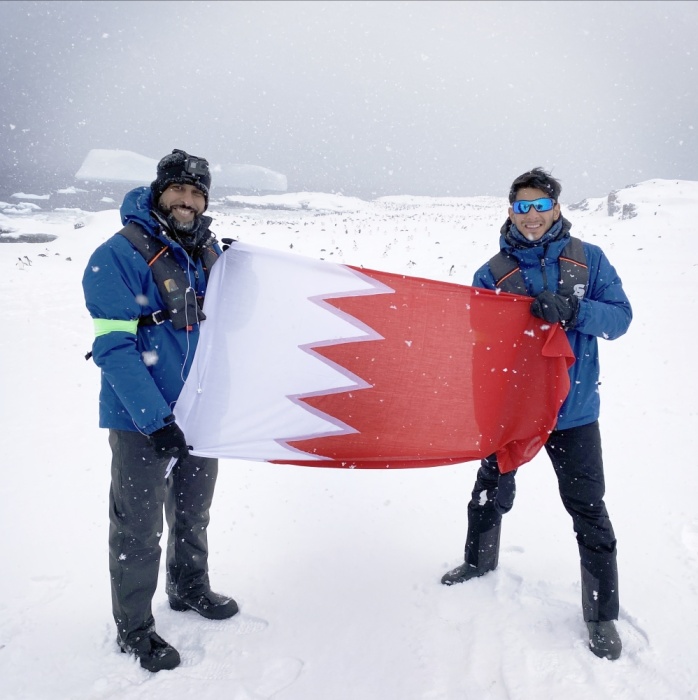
(169,441)
(506,490)
(555,308)
(227,242)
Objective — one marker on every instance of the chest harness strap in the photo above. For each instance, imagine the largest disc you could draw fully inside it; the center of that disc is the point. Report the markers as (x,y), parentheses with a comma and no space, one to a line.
(183,306)
(574,272)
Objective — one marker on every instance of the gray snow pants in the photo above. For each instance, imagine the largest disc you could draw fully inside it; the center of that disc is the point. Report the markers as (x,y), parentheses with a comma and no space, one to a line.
(576,457)
(138,494)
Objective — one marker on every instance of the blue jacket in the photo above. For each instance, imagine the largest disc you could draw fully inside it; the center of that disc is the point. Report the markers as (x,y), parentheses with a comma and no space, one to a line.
(604,312)
(143,368)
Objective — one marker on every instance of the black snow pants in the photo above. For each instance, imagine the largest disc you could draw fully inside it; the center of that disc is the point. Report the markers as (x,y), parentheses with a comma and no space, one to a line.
(576,457)
(139,492)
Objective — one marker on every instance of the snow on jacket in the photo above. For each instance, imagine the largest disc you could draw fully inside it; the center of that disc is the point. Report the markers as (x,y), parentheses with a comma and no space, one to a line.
(604,312)
(143,367)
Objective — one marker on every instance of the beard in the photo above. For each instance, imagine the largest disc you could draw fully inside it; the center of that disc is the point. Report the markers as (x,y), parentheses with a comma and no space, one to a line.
(188,234)
(184,229)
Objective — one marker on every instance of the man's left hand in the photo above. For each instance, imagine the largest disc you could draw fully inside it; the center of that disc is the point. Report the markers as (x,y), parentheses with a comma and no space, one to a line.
(169,441)
(555,308)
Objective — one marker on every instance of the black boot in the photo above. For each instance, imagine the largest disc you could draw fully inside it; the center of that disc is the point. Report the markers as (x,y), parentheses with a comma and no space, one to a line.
(210,605)
(599,577)
(604,640)
(154,653)
(481,555)
(462,573)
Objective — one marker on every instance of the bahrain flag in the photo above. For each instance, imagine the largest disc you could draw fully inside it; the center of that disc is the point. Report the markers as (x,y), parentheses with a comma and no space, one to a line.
(312,363)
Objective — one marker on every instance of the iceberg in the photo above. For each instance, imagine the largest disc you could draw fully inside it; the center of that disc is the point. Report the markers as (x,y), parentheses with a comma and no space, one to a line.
(105,165)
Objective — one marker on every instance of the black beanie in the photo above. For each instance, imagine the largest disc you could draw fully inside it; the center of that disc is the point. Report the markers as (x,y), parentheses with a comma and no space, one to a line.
(181,168)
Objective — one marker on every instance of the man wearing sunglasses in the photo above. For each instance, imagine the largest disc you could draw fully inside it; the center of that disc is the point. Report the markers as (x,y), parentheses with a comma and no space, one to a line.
(573,284)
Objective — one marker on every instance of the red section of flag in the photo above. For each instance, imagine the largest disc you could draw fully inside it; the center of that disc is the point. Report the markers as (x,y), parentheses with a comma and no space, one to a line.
(460,373)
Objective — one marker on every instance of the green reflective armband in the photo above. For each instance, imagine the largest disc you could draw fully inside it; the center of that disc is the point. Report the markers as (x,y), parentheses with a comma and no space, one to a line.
(108,325)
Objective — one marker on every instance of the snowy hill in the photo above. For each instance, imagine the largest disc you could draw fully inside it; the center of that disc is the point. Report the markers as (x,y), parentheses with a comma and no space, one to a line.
(337,572)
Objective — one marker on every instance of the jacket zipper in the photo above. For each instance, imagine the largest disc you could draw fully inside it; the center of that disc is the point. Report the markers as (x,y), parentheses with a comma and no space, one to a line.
(543,268)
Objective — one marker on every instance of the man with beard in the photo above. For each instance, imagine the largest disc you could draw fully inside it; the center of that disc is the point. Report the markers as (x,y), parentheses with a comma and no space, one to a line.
(144,288)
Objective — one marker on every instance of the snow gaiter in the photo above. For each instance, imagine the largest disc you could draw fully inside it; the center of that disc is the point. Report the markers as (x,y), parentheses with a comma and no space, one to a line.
(577,460)
(484,522)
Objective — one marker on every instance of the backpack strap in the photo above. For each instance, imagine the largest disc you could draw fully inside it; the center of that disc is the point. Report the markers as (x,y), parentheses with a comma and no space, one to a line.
(574,271)
(183,307)
(208,258)
(507,273)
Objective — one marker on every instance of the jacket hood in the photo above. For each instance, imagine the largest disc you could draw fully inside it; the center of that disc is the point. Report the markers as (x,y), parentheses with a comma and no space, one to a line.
(136,209)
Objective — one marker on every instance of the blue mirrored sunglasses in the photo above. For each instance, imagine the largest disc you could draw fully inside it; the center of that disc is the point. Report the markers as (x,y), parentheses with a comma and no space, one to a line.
(524,206)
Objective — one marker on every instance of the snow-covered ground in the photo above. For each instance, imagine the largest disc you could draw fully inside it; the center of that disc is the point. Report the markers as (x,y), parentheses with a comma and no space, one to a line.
(337,572)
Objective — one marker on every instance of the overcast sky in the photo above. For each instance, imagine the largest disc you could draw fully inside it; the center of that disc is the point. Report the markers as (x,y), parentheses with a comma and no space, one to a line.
(363,98)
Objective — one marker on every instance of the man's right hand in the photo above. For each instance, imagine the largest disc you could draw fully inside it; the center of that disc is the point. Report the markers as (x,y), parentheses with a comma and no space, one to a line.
(169,441)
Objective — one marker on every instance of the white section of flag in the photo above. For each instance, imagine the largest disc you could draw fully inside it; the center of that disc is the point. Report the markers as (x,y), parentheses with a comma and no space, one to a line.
(263,309)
